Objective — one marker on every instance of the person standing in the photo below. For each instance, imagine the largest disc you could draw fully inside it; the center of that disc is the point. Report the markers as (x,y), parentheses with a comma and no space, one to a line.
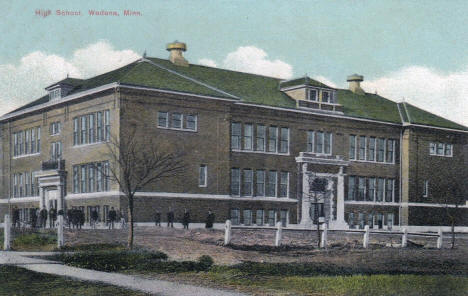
(81,218)
(33,218)
(186,219)
(210,219)
(157,218)
(15,217)
(94,218)
(43,217)
(52,217)
(170,218)
(112,216)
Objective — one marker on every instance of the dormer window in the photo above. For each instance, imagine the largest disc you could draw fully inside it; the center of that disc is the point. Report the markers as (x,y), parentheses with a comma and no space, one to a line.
(326,96)
(313,94)
(55,94)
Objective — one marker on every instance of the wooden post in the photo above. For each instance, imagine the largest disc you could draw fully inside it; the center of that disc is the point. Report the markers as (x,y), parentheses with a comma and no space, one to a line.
(404,238)
(324,240)
(60,240)
(278,234)
(227,233)
(6,232)
(439,239)
(365,241)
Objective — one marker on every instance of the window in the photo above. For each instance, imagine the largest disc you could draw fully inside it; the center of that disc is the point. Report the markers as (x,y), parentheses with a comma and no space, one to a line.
(26,142)
(351,220)
(99,125)
(361,220)
(390,149)
(76,139)
(38,149)
(98,177)
(271,185)
(312,94)
(27,187)
(176,120)
(271,217)
(440,149)
(84,130)
(202,176)
(325,96)
(380,149)
(83,179)
(260,187)
(284,141)
(235,181)
(284,184)
(21,176)
(361,188)
(389,220)
(362,147)
(91,178)
(106,175)
(107,125)
(192,122)
(15,145)
(371,190)
(15,185)
(310,141)
(432,149)
(260,138)
(56,150)
(380,189)
(389,185)
(235,219)
(55,94)
(76,181)
(259,218)
(247,182)
(33,141)
(371,153)
(247,217)
(319,143)
(327,143)
(426,188)
(235,135)
(20,141)
(448,149)
(370,220)
(352,147)
(351,187)
(272,138)
(91,130)
(380,220)
(284,217)
(54,128)
(248,131)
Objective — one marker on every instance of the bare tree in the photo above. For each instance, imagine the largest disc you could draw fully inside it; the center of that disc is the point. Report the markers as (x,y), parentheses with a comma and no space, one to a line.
(452,194)
(137,162)
(317,187)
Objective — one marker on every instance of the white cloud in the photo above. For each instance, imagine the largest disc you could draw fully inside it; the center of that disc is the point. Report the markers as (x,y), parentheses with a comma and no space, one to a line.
(254,60)
(207,62)
(325,80)
(442,94)
(25,81)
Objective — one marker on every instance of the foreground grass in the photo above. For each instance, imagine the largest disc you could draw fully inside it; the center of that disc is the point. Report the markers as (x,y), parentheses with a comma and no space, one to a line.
(19,281)
(355,285)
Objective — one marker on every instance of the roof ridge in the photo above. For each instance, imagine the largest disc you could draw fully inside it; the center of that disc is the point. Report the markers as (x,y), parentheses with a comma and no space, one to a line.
(433,114)
(407,113)
(403,121)
(190,78)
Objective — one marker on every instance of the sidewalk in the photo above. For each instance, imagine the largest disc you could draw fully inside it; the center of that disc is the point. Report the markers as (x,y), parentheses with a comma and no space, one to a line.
(153,286)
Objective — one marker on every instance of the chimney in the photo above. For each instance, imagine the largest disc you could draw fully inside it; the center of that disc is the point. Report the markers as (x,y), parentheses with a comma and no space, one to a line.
(355,84)
(177,57)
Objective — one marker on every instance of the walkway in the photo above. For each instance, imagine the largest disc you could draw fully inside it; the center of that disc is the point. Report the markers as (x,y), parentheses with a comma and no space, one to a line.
(153,286)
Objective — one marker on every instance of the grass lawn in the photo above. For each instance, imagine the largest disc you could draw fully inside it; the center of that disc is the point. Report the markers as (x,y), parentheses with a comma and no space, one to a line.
(359,285)
(19,281)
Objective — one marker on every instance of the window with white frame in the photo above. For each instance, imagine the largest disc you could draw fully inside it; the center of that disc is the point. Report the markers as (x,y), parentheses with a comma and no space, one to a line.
(361,188)
(163,119)
(284,217)
(390,157)
(389,187)
(319,142)
(247,215)
(91,177)
(191,122)
(235,181)
(236,135)
(362,147)
(176,120)
(259,217)
(260,183)
(271,184)
(380,150)
(272,139)
(426,188)
(26,142)
(284,184)
(107,125)
(55,94)
(310,141)
(371,152)
(202,176)
(260,138)
(247,182)
(248,134)
(441,149)
(76,180)
(352,147)
(313,94)
(271,217)
(351,188)
(54,128)
(284,140)
(326,96)
(235,216)
(371,190)
(380,189)
(91,129)
(56,150)
(27,137)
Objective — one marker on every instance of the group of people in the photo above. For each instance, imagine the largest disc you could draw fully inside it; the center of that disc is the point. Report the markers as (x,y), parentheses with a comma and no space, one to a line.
(38,217)
(112,218)
(210,218)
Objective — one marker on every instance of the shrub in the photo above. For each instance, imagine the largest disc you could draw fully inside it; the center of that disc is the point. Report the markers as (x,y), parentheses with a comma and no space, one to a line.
(205,262)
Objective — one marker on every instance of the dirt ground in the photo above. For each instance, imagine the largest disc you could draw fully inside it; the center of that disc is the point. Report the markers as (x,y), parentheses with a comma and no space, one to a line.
(345,249)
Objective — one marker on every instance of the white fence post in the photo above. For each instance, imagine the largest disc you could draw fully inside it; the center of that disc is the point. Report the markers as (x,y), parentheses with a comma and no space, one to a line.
(324,240)
(278,234)
(6,232)
(365,241)
(227,233)
(439,239)
(404,238)
(60,240)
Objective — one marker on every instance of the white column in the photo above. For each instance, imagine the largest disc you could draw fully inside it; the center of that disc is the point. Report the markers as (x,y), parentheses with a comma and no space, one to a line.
(227,233)
(60,198)
(365,241)
(324,240)
(279,233)
(340,222)
(60,240)
(440,239)
(42,198)
(7,232)
(306,221)
(404,238)
(47,206)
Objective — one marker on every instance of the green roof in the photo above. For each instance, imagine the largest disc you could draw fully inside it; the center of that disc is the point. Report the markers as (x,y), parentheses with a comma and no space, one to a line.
(249,88)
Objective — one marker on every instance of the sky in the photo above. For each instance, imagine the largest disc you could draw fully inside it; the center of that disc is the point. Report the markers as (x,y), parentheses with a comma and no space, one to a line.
(416,51)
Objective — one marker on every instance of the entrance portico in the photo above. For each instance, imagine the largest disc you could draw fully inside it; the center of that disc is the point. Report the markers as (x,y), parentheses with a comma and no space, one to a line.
(330,200)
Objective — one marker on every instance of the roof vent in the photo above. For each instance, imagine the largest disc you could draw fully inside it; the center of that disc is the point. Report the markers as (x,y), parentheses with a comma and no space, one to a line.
(177,57)
(355,84)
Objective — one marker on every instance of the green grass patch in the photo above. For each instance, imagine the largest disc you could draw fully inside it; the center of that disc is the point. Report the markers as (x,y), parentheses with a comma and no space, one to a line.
(35,241)
(19,281)
(93,247)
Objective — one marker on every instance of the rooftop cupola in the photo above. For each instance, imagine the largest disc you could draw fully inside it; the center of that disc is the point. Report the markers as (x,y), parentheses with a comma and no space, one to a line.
(176,56)
(355,84)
